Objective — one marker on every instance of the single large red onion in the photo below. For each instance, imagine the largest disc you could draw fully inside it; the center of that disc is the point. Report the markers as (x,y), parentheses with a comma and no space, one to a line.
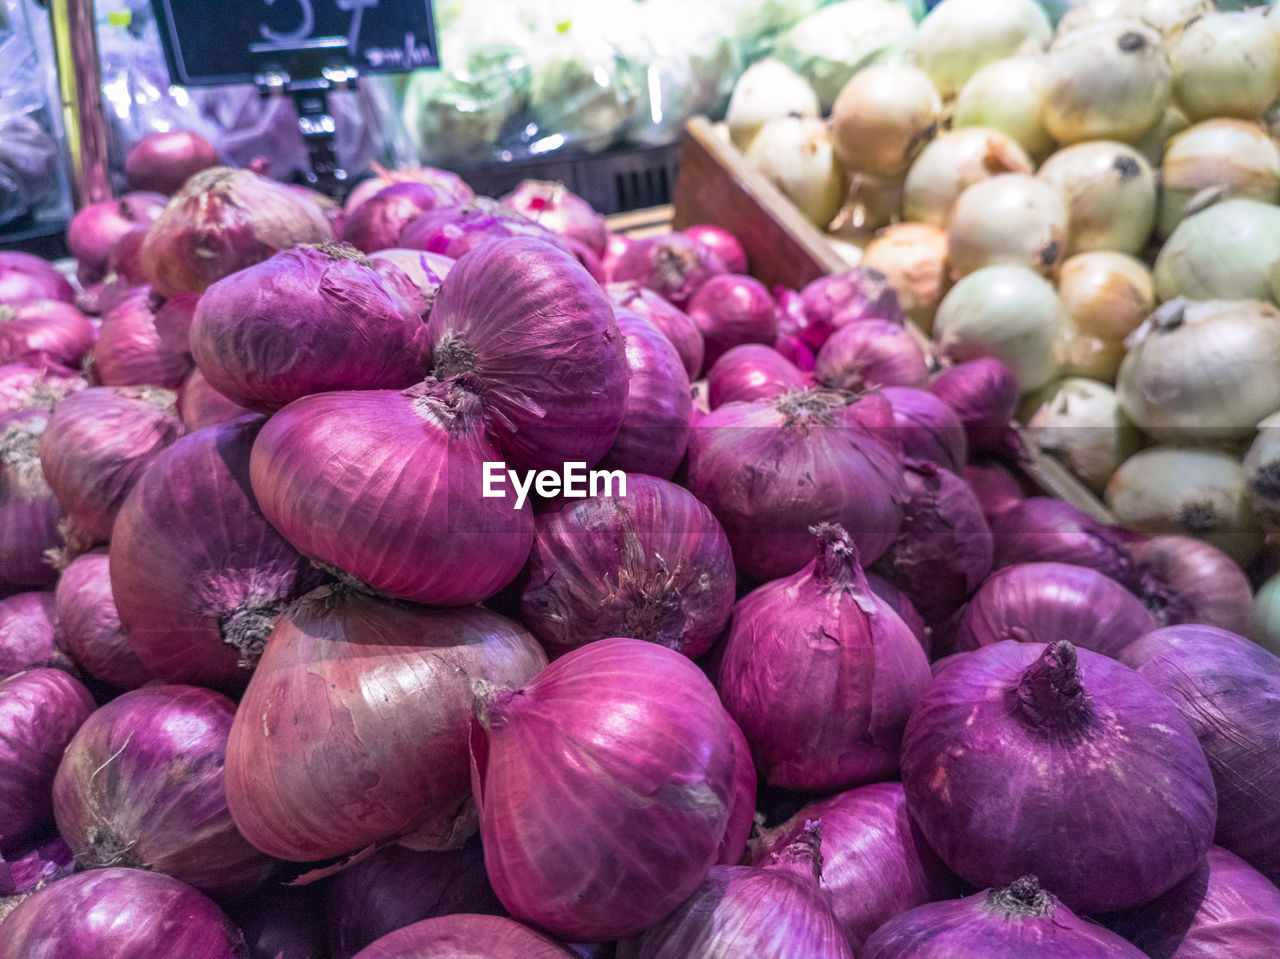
(164,161)
(199,598)
(619,731)
(305,787)
(928,428)
(94,231)
(722,243)
(821,674)
(200,405)
(465,936)
(283,922)
(29,511)
(984,394)
(674,266)
(672,321)
(44,331)
(456,230)
(651,565)
(752,372)
(28,634)
(223,220)
(97,444)
(730,310)
(25,386)
(540,336)
(1017,921)
(40,710)
(1044,530)
(856,295)
(1018,755)
(1186,580)
(869,355)
(445,181)
(771,469)
(88,627)
(25,277)
(120,914)
(996,488)
(141,785)
(416,524)
(130,350)
(425,272)
(376,224)
(563,212)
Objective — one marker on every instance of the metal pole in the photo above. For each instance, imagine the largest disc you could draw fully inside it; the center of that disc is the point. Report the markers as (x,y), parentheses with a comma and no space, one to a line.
(75,44)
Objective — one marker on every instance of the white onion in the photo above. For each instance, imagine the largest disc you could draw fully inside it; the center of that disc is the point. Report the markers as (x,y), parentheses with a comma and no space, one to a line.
(883,117)
(1226,65)
(1012,218)
(1196,492)
(914,258)
(1110,190)
(1008,96)
(1153,143)
(1203,372)
(1105,296)
(795,154)
(1222,253)
(1161,15)
(950,163)
(1168,15)
(1262,471)
(1007,312)
(1266,607)
(959,37)
(1080,422)
(767,90)
(1106,81)
(1233,157)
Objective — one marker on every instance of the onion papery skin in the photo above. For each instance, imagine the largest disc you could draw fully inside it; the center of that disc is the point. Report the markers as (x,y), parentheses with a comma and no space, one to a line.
(604,788)
(730,310)
(821,674)
(198,599)
(40,386)
(200,405)
(1039,529)
(1110,191)
(95,230)
(1225,65)
(173,321)
(1224,252)
(563,212)
(1011,219)
(29,510)
(721,242)
(914,258)
(45,331)
(417,527)
(1188,581)
(88,626)
(752,372)
(1228,689)
(883,116)
(983,392)
(674,266)
(306,321)
(141,785)
(746,459)
(1224,904)
(1021,920)
(996,488)
(548,355)
(796,155)
(898,602)
(130,350)
(875,862)
(928,428)
(97,444)
(376,224)
(34,870)
(465,936)
(831,302)
(653,565)
(425,271)
(40,710)
(870,355)
(952,162)
(164,161)
(151,916)
(25,277)
(672,321)
(742,809)
(1007,95)
(456,230)
(28,634)
(1234,157)
(1062,737)
(446,181)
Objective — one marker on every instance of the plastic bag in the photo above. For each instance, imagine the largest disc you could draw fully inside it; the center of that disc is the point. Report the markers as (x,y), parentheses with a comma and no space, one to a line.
(29,157)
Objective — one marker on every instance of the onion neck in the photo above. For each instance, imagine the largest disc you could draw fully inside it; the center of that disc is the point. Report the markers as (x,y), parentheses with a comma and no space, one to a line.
(453,403)
(20,455)
(1265,483)
(490,702)
(246,627)
(1022,899)
(453,357)
(673,264)
(837,566)
(805,407)
(802,856)
(341,251)
(1049,695)
(162,399)
(7,312)
(107,848)
(1198,516)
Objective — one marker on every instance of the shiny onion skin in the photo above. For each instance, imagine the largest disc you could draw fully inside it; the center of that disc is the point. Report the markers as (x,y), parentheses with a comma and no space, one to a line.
(869,355)
(40,386)
(455,230)
(927,427)
(28,633)
(1048,602)
(424,271)
(173,322)
(604,788)
(120,914)
(1186,580)
(996,488)
(386,486)
(752,372)
(653,565)
(984,394)
(1018,755)
(306,321)
(671,320)
(875,862)
(730,310)
(1039,529)
(34,870)
(200,405)
(898,602)
(97,444)
(198,599)
(25,277)
(163,161)
(1228,689)
(446,181)
(44,331)
(821,674)
(771,469)
(722,243)
(857,294)
(1016,922)
(88,627)
(742,809)
(539,334)
(554,206)
(40,710)
(130,350)
(29,512)
(141,785)
(354,727)
(674,266)
(464,936)
(376,224)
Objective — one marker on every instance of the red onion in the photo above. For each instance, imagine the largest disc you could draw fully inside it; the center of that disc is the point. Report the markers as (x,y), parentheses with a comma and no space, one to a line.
(752,372)
(173,322)
(27,634)
(984,394)
(198,598)
(88,626)
(200,405)
(445,181)
(29,512)
(791,320)
(742,809)
(283,922)
(561,211)
(130,350)
(771,469)
(1224,908)
(616,245)
(141,785)
(44,331)
(619,731)
(653,565)
(722,243)
(730,310)
(464,936)
(673,322)
(674,266)
(305,785)
(875,863)
(928,428)
(24,277)
(36,869)
(223,220)
(869,355)
(94,232)
(897,600)
(163,162)
(124,262)
(1043,530)
(1018,756)
(40,710)
(1186,580)
(24,386)
(996,488)
(540,336)
(425,272)
(1229,691)
(455,230)
(97,444)
(387,486)
(119,913)
(1017,921)
(376,224)
(857,294)
(306,321)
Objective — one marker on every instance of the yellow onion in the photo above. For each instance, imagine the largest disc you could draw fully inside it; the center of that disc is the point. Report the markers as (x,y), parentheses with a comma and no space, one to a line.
(882,117)
(914,258)
(1010,219)
(1226,65)
(1225,252)
(1153,143)
(1105,81)
(767,90)
(952,162)
(1110,191)
(1089,356)
(873,202)
(1234,158)
(959,37)
(1008,96)
(1105,297)
(1080,422)
(1162,15)
(795,154)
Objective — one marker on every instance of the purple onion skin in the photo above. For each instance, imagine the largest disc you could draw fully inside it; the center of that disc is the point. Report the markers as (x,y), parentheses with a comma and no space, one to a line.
(173,322)
(742,810)
(1049,602)
(1228,689)
(40,710)
(1017,756)
(984,394)
(29,511)
(424,271)
(24,386)
(376,224)
(456,230)
(996,488)
(34,870)
(465,936)
(752,372)
(446,181)
(96,229)
(1043,530)
(120,914)
(898,602)
(45,331)
(869,355)
(200,405)
(928,428)
(283,922)
(875,863)
(1013,923)
(672,321)
(1185,580)
(674,266)
(88,626)
(1224,908)
(730,310)
(561,211)
(130,350)
(164,161)
(25,277)
(722,243)
(857,294)
(27,634)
